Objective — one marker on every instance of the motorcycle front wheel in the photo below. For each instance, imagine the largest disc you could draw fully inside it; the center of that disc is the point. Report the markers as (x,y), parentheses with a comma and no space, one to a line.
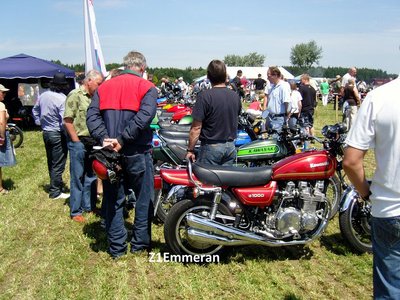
(16,135)
(334,194)
(175,227)
(355,226)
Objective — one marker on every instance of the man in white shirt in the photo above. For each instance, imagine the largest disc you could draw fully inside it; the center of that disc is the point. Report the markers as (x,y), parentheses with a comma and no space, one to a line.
(278,100)
(378,126)
(182,84)
(351,73)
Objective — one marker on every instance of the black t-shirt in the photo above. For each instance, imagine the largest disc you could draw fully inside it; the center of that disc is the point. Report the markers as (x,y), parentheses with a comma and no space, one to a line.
(259,83)
(308,94)
(218,110)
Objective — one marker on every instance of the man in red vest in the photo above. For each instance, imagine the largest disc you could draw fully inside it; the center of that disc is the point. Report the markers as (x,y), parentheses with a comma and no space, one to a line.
(119,117)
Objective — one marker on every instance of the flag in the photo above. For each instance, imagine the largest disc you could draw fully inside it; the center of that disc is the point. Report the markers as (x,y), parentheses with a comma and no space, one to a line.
(93,54)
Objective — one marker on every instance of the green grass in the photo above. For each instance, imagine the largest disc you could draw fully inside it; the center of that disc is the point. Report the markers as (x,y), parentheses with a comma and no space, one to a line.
(44,255)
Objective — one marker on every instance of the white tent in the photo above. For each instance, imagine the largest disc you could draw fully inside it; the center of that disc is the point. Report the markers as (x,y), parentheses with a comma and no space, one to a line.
(252,72)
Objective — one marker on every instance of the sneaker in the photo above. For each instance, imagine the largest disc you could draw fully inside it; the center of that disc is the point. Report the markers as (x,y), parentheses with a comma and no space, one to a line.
(62,196)
(79,219)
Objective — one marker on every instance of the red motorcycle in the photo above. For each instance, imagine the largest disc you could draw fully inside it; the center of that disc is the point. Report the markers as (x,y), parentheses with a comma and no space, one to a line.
(280,205)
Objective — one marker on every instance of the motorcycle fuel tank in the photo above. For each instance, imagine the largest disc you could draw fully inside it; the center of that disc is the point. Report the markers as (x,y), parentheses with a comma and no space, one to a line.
(262,149)
(309,165)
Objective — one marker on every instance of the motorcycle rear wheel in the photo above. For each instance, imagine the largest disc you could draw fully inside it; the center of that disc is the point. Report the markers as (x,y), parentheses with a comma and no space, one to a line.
(16,135)
(355,226)
(175,227)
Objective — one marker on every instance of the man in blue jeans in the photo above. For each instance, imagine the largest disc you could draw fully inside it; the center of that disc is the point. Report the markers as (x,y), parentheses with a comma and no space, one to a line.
(83,185)
(119,117)
(278,100)
(215,120)
(48,113)
(378,126)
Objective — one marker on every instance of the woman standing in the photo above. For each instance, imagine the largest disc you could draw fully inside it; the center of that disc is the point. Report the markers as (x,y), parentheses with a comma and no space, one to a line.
(7,157)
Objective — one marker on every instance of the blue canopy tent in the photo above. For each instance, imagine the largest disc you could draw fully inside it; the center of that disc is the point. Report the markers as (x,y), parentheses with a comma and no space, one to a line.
(23,66)
(30,75)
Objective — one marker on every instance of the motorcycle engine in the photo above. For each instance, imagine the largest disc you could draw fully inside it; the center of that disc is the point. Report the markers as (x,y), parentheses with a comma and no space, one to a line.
(298,213)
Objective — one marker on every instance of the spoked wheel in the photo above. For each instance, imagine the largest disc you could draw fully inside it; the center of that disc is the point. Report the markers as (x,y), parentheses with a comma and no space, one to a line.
(164,206)
(16,135)
(175,227)
(334,194)
(355,225)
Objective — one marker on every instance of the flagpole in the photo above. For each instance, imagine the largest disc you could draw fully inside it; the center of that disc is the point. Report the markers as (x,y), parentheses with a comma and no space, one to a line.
(93,54)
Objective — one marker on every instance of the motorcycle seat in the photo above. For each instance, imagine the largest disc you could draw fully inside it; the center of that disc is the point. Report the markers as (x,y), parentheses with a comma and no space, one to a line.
(173,134)
(232,176)
(174,127)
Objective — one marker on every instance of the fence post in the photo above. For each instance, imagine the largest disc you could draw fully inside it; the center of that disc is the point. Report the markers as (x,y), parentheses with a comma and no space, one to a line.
(336,107)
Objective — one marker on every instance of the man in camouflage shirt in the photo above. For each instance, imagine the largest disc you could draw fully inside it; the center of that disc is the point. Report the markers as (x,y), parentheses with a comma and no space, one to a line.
(83,180)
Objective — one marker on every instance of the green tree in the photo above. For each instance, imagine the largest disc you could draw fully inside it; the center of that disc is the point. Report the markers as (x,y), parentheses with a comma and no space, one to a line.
(233,60)
(304,55)
(252,59)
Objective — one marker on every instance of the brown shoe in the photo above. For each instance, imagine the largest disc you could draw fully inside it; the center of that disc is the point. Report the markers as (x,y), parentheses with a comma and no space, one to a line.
(79,219)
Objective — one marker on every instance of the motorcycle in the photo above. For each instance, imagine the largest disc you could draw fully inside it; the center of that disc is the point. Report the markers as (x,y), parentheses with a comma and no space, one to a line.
(169,151)
(250,154)
(280,205)
(174,114)
(354,212)
(170,143)
(16,134)
(354,220)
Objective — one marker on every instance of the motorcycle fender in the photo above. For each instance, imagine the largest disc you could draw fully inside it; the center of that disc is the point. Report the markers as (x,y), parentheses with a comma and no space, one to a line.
(349,195)
(157,182)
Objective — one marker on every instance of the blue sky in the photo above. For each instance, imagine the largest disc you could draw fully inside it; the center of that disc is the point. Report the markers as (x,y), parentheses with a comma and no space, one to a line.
(179,33)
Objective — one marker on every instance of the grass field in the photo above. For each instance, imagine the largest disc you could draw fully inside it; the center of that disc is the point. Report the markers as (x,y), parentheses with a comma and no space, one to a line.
(44,255)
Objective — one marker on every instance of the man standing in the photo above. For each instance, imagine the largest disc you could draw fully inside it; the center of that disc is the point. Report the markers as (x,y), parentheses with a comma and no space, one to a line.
(80,144)
(259,87)
(48,112)
(215,120)
(351,73)
(119,117)
(237,83)
(278,100)
(378,126)
(183,86)
(309,102)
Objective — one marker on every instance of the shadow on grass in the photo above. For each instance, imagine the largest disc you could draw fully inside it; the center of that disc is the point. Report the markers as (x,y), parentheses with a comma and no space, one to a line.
(256,252)
(46,188)
(243,254)
(291,297)
(96,232)
(9,184)
(336,244)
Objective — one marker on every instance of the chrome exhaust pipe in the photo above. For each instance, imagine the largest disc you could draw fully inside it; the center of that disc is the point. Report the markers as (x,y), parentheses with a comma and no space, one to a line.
(209,231)
(207,238)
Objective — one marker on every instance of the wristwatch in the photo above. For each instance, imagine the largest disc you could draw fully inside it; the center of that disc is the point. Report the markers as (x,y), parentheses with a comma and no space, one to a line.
(190,150)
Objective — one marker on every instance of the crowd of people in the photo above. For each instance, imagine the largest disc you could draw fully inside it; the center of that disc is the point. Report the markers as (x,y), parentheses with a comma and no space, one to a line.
(115,114)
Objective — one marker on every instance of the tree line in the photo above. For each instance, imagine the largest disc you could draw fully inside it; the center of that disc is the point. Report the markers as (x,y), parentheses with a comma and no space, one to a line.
(302,57)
